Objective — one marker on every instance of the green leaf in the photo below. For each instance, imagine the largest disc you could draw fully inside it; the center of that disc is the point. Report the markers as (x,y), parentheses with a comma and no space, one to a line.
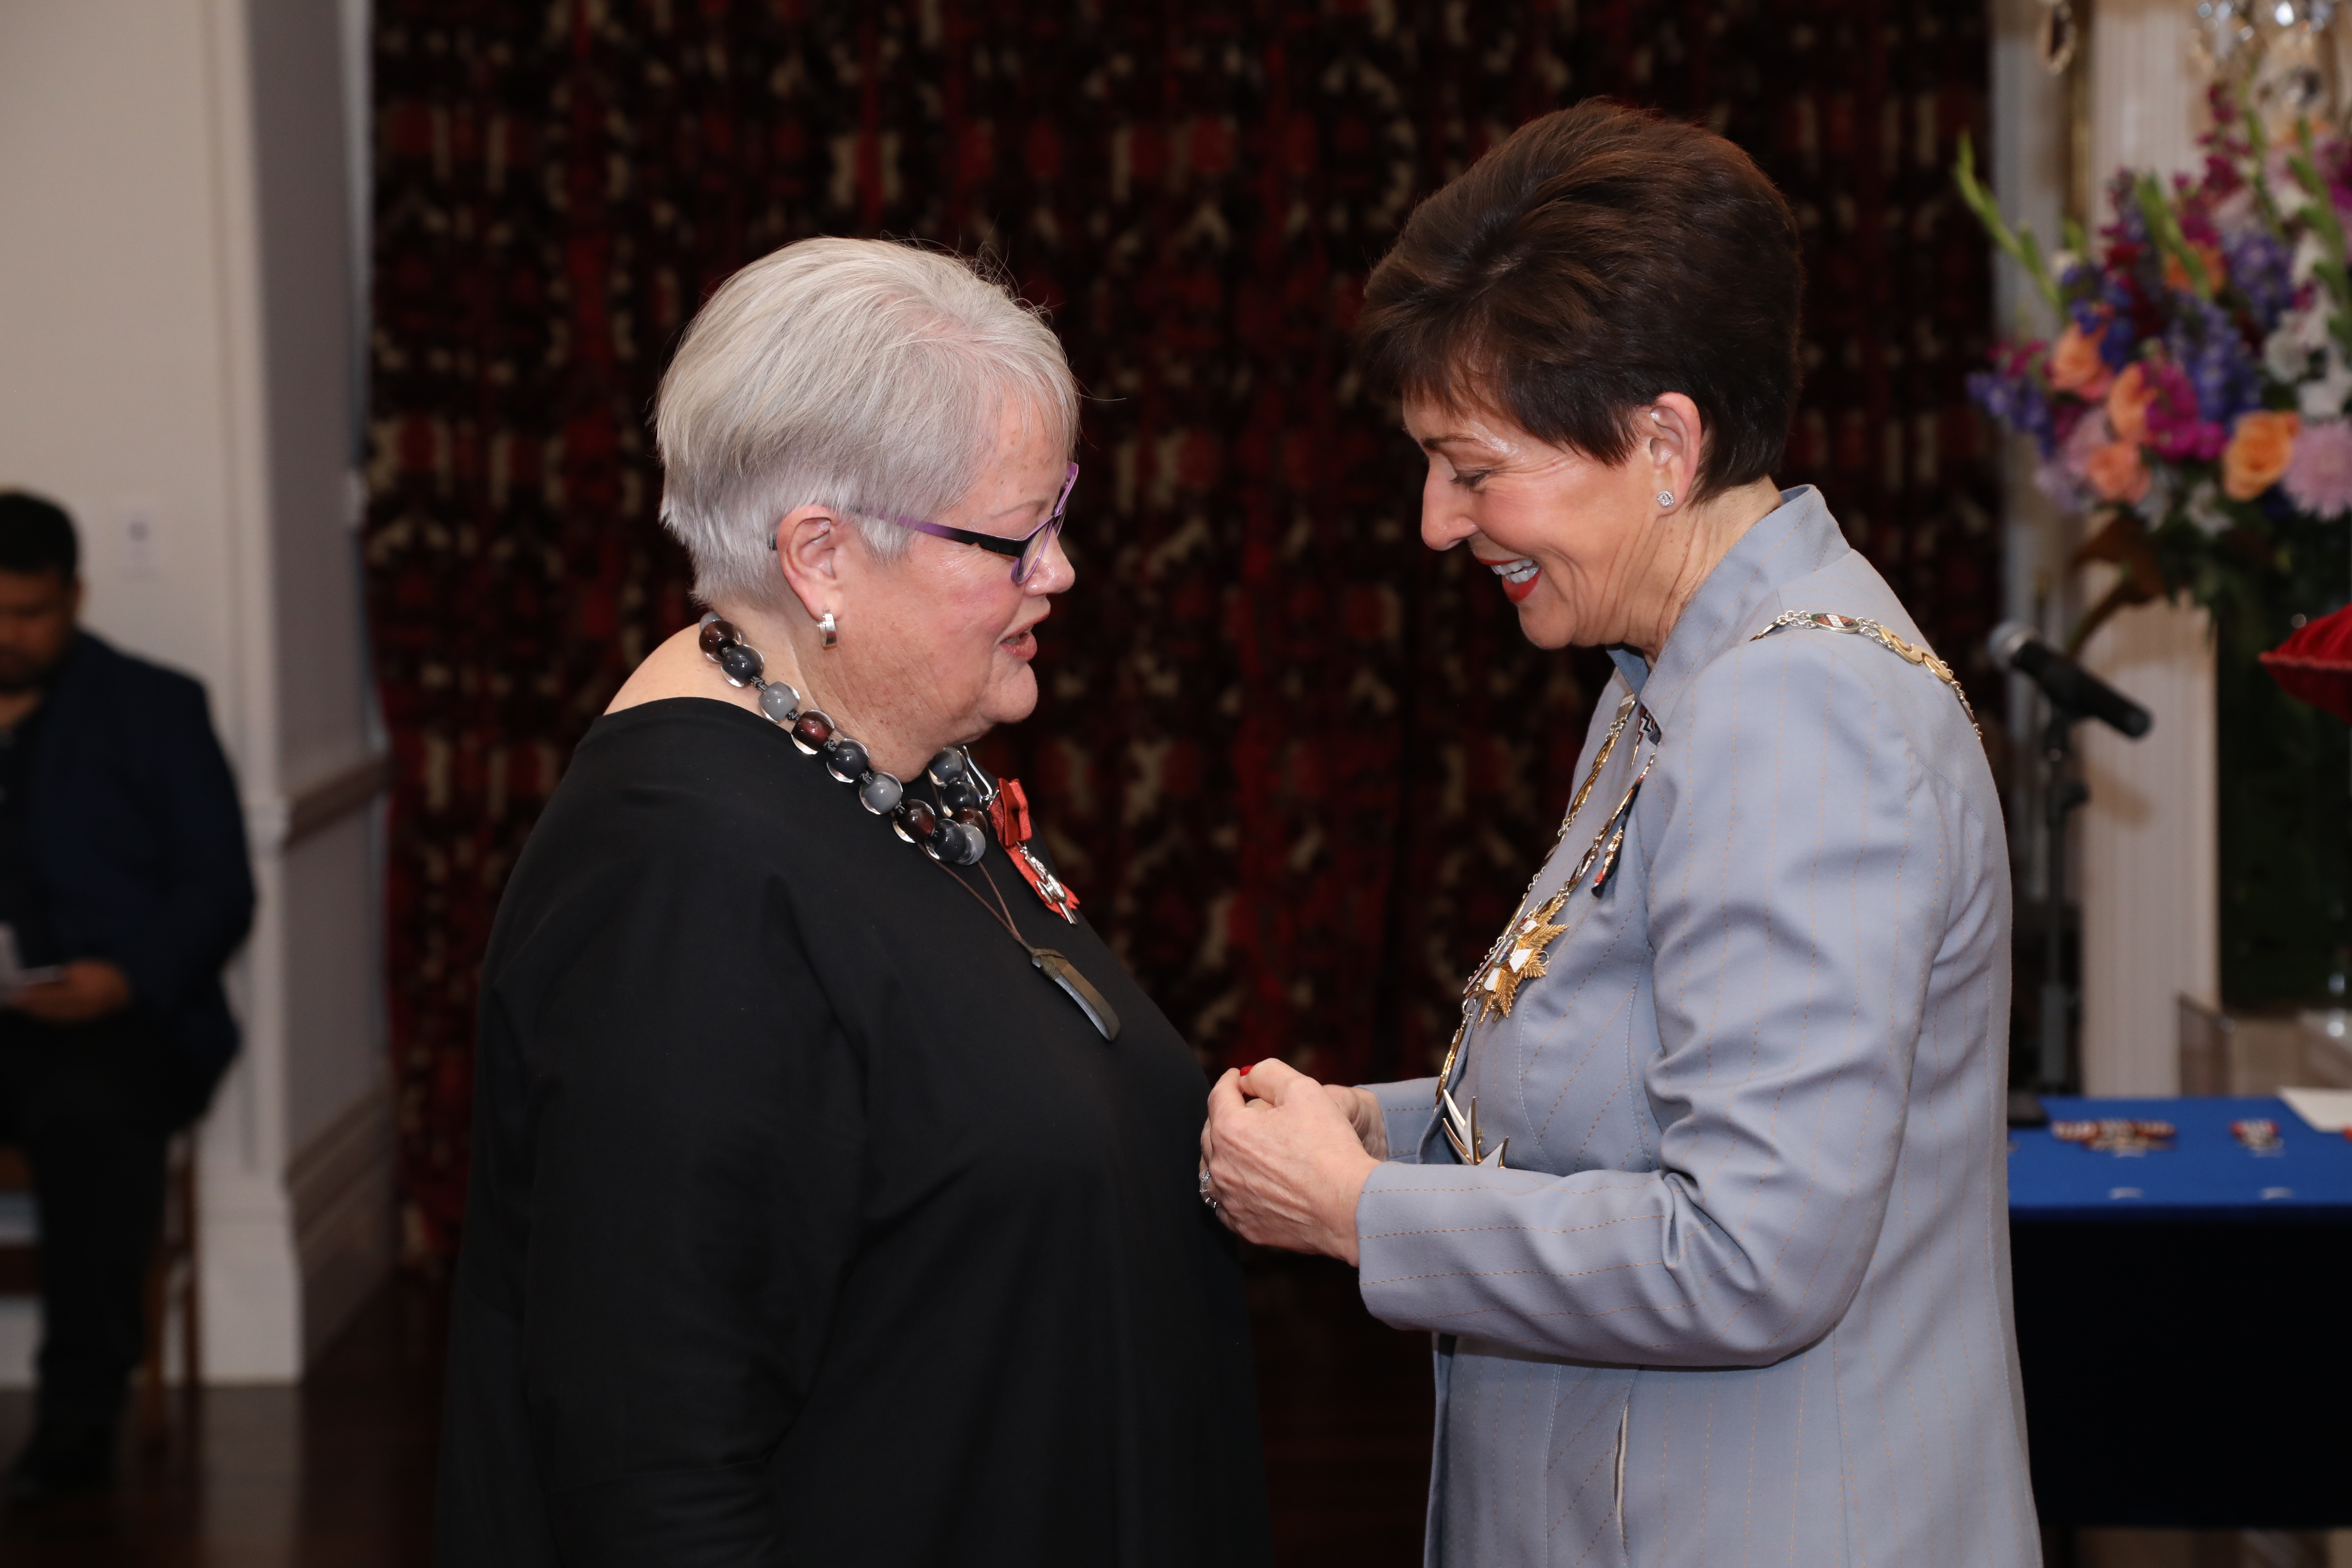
(2018,244)
(2319,211)
(2164,227)
(2258,144)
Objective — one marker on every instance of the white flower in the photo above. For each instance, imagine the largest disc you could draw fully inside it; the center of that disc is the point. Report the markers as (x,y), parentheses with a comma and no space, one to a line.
(2286,352)
(2324,398)
(2234,214)
(2204,509)
(2308,254)
(2153,506)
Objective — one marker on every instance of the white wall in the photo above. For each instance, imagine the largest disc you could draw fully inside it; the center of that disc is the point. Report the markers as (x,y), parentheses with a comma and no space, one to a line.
(175,306)
(2151,856)
(2027,167)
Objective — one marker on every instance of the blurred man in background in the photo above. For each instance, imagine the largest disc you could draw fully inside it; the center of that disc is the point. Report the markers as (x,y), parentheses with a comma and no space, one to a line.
(124,889)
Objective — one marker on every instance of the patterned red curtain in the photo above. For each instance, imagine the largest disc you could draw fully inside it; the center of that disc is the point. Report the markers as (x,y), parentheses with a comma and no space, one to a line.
(1298,766)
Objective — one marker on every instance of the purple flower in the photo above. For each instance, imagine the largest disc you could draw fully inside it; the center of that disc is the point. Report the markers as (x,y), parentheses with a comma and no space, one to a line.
(2016,401)
(2318,478)
(2205,345)
(2177,429)
(2130,225)
(2259,265)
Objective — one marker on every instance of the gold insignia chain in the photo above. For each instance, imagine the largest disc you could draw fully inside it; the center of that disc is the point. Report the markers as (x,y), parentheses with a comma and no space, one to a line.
(1492,973)
(1862,626)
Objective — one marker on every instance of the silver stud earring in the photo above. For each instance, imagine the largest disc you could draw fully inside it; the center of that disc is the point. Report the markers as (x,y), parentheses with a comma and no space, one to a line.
(829,630)
(1665,498)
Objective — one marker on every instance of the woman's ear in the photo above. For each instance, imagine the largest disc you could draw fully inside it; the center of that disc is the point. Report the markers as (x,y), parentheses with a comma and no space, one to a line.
(1673,437)
(807,542)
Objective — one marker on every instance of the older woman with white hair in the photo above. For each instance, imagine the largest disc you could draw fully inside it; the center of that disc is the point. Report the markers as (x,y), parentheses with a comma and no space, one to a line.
(834,1195)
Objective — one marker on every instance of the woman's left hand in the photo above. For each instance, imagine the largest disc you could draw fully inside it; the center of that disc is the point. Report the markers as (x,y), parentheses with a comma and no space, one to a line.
(1284,1164)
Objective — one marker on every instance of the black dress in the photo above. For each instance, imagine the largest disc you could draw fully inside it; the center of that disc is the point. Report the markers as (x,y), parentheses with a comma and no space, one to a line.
(810,1223)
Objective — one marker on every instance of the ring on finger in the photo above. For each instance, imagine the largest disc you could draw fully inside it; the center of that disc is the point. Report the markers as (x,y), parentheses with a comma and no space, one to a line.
(1208,1196)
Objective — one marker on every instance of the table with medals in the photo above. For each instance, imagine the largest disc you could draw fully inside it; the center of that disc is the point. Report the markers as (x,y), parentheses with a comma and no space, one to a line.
(2183,1274)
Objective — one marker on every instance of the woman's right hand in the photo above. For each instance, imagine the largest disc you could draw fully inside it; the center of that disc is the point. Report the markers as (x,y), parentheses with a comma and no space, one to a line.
(1364,1114)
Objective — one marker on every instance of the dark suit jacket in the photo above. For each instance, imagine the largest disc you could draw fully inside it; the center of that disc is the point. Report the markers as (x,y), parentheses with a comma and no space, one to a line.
(138,842)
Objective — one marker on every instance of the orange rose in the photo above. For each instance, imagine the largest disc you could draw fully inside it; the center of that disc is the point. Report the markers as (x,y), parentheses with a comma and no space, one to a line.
(2258,453)
(2116,471)
(2127,403)
(2075,365)
(2217,271)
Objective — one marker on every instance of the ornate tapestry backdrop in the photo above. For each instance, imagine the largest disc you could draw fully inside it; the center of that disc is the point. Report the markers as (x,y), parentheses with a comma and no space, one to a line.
(1298,766)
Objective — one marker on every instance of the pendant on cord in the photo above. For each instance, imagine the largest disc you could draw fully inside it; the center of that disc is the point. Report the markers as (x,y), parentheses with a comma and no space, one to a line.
(1064,973)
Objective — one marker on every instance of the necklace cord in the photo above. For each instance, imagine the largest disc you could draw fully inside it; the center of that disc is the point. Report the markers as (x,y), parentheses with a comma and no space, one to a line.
(1001,914)
(1055,966)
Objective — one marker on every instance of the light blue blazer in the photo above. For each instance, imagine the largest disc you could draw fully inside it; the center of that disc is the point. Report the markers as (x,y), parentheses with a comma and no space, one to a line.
(1738,1291)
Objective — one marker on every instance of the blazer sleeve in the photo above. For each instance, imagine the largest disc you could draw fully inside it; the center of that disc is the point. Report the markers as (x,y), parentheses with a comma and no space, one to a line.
(669,1144)
(1405,1111)
(1796,893)
(205,904)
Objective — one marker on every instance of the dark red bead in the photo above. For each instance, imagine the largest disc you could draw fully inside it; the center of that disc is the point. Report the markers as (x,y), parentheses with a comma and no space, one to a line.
(922,820)
(717,634)
(812,729)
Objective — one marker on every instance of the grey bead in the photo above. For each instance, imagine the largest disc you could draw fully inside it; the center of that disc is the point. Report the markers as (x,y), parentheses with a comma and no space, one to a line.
(966,844)
(708,616)
(779,702)
(947,764)
(880,793)
(846,760)
(739,663)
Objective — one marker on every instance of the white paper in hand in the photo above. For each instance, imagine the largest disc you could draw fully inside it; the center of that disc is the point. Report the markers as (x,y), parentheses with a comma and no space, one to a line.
(13,976)
(2327,1110)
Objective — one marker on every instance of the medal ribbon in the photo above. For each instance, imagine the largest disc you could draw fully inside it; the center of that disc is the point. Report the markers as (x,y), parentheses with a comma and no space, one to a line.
(1009,815)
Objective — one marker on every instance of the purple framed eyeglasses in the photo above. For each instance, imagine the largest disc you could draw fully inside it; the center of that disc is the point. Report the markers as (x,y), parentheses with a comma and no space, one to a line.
(1026,551)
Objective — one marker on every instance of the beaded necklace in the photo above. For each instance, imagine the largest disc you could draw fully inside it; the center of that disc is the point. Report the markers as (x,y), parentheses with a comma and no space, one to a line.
(951,832)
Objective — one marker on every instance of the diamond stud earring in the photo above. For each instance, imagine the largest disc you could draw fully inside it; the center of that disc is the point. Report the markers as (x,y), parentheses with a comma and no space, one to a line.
(1665,498)
(829,630)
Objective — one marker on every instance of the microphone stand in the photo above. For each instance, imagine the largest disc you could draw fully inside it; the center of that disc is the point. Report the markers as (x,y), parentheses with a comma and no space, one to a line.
(2061,794)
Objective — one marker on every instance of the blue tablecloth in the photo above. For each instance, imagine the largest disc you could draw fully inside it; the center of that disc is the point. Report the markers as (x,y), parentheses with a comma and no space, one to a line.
(2205,1174)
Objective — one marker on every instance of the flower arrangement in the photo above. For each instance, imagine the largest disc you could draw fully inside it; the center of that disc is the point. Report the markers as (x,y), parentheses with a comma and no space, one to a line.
(2193,401)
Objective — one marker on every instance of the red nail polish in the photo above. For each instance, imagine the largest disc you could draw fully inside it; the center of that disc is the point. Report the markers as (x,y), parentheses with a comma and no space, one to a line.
(1246,1070)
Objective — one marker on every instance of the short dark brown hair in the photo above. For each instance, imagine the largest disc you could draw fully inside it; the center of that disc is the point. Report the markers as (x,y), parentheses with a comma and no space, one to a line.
(37,536)
(1598,258)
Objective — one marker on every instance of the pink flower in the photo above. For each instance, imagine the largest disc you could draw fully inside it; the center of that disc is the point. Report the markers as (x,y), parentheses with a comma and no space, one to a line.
(2116,473)
(2318,478)
(2075,365)
(2127,401)
(2175,430)
(2089,434)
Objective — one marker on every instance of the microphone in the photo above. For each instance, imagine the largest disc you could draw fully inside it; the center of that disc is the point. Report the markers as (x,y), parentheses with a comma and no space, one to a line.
(2071,689)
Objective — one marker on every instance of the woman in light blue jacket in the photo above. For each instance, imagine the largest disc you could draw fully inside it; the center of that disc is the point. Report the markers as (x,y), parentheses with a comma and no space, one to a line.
(1707,1209)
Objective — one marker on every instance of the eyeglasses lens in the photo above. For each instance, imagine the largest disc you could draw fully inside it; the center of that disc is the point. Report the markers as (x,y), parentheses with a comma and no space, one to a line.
(1035,551)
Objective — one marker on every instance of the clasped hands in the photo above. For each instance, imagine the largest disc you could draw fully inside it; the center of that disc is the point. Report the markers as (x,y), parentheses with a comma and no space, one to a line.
(1286,1156)
(87,990)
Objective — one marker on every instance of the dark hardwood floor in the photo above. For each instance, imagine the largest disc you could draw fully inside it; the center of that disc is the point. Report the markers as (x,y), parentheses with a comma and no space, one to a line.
(339,1472)
(334,1474)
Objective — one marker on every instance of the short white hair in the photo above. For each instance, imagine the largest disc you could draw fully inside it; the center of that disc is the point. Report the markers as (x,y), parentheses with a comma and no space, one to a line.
(860,374)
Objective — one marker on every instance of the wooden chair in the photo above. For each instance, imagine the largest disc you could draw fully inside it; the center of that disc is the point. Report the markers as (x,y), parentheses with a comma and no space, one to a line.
(171,1275)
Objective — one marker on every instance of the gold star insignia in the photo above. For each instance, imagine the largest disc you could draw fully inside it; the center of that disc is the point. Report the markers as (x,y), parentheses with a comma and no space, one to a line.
(1524,959)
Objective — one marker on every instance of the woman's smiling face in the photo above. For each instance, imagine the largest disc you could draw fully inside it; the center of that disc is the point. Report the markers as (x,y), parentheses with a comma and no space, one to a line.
(1577,544)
